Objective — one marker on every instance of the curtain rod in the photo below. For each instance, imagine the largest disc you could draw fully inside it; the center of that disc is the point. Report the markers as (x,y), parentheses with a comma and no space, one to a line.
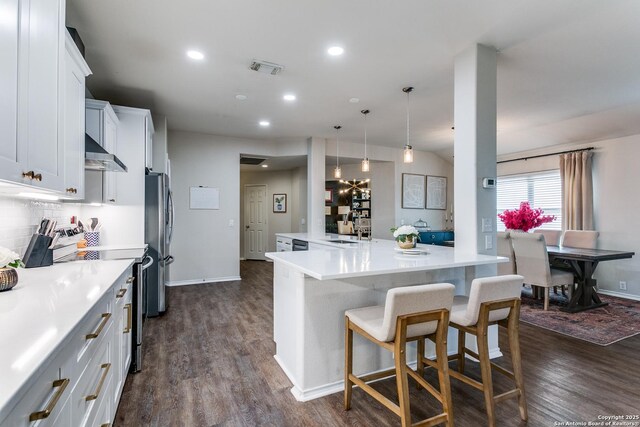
(547,155)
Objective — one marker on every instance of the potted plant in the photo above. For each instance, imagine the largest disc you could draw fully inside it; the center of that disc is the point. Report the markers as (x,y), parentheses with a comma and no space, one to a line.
(406,236)
(524,218)
(9,261)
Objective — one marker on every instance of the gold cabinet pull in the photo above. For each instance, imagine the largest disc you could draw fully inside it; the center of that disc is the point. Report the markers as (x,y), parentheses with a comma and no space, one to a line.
(41,415)
(105,319)
(37,177)
(129,309)
(105,425)
(130,279)
(121,293)
(72,190)
(29,174)
(106,367)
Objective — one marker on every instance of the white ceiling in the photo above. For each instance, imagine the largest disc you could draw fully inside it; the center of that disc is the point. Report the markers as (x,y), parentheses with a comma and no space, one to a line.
(568,70)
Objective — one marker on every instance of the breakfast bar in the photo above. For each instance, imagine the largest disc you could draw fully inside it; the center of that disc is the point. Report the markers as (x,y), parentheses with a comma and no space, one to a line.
(312,290)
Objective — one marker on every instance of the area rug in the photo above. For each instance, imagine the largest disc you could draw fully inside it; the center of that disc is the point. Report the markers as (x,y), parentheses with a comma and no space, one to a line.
(603,326)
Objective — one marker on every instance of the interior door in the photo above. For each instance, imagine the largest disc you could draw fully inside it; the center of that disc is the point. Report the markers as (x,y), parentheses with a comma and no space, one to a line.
(255,221)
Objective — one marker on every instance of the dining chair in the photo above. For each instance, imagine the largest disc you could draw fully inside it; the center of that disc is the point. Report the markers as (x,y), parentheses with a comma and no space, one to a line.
(492,300)
(505,249)
(580,239)
(532,262)
(410,313)
(551,237)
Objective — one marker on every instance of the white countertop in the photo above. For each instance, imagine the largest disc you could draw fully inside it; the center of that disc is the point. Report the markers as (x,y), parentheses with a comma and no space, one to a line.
(41,311)
(371,258)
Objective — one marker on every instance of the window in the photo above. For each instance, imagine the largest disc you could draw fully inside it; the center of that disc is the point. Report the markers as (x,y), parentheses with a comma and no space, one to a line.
(540,189)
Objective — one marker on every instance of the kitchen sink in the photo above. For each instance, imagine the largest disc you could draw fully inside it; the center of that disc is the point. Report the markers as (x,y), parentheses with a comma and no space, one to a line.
(342,242)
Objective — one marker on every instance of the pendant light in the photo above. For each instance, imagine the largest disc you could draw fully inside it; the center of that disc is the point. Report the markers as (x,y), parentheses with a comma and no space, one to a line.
(365,161)
(337,172)
(408,149)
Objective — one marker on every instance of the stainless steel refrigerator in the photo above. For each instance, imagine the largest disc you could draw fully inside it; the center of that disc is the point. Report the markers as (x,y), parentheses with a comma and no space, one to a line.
(158,230)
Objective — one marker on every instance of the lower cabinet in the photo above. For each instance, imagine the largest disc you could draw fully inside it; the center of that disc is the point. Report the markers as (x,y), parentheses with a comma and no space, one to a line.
(283,244)
(82,384)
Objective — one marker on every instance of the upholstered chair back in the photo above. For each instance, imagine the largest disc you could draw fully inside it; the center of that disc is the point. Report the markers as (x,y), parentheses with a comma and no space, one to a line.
(580,239)
(414,299)
(532,261)
(551,237)
(505,249)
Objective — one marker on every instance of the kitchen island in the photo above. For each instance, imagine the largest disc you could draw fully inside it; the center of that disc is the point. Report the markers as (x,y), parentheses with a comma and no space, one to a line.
(312,289)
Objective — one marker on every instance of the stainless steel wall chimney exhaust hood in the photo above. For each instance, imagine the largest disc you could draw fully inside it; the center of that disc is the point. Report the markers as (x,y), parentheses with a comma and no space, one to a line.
(98,159)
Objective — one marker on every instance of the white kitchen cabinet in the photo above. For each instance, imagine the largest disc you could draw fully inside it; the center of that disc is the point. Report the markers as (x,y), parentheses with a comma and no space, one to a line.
(148,153)
(40,104)
(31,55)
(12,155)
(283,244)
(75,72)
(102,125)
(122,337)
(86,371)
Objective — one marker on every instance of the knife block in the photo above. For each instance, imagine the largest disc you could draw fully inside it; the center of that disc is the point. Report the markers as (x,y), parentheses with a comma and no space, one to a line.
(38,253)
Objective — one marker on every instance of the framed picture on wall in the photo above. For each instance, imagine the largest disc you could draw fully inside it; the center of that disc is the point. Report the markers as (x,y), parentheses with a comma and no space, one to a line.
(279,203)
(328,195)
(437,192)
(413,194)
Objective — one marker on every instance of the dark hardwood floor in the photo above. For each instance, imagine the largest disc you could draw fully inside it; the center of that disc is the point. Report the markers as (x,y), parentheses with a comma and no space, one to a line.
(208,362)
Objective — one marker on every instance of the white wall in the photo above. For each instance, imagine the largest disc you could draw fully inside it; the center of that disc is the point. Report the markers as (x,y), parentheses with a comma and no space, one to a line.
(206,243)
(299,200)
(616,202)
(277,182)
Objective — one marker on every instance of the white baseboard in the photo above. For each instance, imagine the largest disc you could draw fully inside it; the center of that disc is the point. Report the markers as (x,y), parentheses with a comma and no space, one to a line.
(202,281)
(619,294)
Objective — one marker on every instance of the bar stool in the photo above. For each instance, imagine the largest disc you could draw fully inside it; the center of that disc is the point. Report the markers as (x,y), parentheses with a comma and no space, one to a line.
(410,313)
(493,300)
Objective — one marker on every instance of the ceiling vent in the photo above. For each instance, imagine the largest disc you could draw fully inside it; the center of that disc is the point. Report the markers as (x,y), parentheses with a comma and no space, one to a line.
(251,160)
(266,67)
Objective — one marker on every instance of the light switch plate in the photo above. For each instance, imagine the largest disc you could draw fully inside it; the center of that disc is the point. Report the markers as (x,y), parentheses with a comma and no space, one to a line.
(488,242)
(486,225)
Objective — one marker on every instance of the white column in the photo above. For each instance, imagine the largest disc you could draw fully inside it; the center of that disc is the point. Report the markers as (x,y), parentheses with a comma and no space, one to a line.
(315,186)
(475,149)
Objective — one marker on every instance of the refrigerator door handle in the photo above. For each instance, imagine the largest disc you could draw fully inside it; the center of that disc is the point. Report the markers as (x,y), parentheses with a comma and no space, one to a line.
(171,215)
(168,260)
(148,262)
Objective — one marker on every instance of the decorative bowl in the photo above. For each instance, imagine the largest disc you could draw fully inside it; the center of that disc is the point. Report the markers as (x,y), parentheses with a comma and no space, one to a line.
(407,244)
(8,278)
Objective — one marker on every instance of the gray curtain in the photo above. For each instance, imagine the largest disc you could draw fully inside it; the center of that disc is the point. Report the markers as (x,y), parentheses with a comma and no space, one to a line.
(577,191)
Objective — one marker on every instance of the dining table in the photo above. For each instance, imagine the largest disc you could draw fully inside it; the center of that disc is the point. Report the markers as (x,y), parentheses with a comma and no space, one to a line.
(583,262)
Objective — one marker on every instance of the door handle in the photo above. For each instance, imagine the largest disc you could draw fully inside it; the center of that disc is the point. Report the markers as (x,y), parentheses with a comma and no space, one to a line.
(246,226)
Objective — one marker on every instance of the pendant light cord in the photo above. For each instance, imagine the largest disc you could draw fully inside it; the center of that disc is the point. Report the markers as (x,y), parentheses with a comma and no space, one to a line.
(408,118)
(337,128)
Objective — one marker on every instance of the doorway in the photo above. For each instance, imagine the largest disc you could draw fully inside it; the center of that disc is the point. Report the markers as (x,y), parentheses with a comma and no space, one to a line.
(255,222)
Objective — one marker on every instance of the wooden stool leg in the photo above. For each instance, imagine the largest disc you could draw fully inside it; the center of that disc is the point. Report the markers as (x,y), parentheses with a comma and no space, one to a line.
(485,369)
(461,345)
(402,380)
(443,374)
(514,346)
(348,363)
(420,360)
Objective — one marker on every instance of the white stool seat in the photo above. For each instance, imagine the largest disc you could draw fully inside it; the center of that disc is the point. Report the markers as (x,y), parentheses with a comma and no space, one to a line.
(458,309)
(369,319)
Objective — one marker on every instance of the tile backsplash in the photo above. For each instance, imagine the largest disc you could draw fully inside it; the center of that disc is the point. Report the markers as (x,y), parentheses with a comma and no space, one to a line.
(19,219)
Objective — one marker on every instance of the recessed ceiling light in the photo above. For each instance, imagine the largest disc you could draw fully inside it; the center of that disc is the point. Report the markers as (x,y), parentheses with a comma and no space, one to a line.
(354,100)
(265,166)
(335,51)
(289,97)
(194,54)
(241,97)
(264,123)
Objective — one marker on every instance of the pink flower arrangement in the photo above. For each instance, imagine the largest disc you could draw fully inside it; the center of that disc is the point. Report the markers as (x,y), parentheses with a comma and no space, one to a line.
(524,218)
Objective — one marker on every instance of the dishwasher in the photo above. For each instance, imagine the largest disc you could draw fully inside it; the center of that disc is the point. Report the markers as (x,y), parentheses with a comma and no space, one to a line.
(300,245)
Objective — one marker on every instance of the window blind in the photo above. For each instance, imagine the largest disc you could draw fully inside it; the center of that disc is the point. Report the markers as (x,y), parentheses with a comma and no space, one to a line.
(540,189)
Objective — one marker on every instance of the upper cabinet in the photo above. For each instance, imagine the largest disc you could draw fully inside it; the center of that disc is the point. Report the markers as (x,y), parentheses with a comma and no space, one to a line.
(31,106)
(11,154)
(75,71)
